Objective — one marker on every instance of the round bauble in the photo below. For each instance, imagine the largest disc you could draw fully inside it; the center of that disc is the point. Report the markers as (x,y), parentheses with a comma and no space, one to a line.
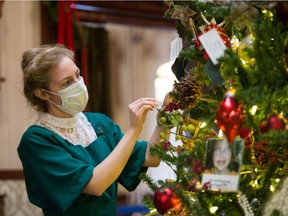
(245,132)
(166,199)
(274,122)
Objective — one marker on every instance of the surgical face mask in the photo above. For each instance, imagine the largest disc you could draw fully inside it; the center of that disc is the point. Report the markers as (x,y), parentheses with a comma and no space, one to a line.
(74,98)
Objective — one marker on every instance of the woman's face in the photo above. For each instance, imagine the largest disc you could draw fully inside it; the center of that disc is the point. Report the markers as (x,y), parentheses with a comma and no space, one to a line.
(62,76)
(222,156)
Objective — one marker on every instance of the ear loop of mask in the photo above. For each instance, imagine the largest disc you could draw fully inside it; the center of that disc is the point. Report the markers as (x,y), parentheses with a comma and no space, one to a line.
(53,94)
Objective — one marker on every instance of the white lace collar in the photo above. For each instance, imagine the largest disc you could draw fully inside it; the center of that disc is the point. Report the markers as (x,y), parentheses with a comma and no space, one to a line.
(76,130)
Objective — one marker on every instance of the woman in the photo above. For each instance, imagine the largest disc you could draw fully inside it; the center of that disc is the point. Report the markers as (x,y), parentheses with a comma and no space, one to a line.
(219,159)
(73,161)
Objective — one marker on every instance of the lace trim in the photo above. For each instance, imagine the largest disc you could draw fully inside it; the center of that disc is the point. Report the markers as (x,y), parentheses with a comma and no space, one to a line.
(76,130)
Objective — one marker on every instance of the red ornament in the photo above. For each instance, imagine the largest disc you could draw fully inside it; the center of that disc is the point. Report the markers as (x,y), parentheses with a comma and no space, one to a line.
(275,122)
(229,116)
(166,199)
(245,132)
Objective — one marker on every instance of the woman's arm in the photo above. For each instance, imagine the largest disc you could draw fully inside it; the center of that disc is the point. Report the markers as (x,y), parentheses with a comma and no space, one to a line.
(150,160)
(109,169)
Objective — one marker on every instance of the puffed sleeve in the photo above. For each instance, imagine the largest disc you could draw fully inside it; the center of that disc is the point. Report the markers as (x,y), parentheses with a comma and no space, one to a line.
(129,178)
(53,168)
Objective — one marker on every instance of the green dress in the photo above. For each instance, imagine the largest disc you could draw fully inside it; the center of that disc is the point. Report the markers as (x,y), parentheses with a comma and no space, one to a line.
(56,171)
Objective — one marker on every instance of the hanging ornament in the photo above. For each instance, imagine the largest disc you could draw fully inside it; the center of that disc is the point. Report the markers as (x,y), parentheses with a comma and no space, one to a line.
(245,132)
(229,115)
(166,199)
(182,13)
(274,122)
(209,26)
(188,132)
(187,91)
(169,116)
(245,48)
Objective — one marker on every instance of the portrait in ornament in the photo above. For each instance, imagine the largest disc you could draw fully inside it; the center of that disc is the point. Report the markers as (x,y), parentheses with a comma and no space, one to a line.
(223,164)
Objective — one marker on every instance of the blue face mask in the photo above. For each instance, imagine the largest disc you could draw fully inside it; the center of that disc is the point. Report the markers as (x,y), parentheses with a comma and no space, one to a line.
(74,98)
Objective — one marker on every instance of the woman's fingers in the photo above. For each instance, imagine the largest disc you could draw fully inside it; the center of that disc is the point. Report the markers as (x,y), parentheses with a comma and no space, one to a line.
(143,104)
(138,110)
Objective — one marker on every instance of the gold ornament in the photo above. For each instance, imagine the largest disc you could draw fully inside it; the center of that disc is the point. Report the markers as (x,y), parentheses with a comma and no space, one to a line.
(245,48)
(188,132)
(183,14)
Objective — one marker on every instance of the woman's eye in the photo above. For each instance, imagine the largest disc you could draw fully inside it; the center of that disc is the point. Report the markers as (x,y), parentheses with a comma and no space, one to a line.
(67,83)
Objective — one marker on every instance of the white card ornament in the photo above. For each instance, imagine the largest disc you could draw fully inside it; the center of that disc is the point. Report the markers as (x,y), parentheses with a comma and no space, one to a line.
(176,47)
(213,45)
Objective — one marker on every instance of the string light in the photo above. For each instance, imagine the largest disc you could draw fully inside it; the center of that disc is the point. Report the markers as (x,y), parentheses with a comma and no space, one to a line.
(203,124)
(220,133)
(253,109)
(213,209)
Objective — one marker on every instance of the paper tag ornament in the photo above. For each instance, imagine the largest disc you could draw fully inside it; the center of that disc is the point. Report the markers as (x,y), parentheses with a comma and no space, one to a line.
(176,47)
(213,45)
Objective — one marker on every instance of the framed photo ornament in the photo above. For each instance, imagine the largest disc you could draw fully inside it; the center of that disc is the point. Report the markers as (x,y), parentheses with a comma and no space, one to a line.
(223,164)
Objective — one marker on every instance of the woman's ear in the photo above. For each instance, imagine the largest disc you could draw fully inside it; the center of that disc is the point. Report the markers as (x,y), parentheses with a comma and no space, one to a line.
(40,93)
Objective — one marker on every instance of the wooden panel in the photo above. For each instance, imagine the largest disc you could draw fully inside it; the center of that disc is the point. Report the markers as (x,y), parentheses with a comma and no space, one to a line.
(20,30)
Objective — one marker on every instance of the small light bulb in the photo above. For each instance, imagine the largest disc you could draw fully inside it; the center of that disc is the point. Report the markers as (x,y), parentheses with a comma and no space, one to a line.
(213,209)
(203,124)
(220,133)
(253,109)
(272,188)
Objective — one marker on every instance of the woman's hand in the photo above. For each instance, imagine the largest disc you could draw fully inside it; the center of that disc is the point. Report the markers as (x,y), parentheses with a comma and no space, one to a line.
(138,111)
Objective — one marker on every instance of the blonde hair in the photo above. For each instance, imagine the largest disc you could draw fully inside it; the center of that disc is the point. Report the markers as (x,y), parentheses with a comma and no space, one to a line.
(36,65)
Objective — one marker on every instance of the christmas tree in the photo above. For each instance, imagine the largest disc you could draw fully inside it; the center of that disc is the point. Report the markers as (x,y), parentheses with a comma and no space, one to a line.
(232,86)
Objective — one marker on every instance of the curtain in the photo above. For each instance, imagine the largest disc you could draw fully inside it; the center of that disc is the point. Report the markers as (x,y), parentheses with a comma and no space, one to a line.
(98,70)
